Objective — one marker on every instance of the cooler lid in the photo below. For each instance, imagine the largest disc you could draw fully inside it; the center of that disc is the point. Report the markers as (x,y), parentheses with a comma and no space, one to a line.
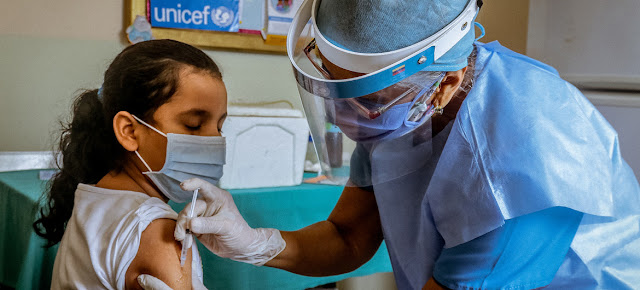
(248,111)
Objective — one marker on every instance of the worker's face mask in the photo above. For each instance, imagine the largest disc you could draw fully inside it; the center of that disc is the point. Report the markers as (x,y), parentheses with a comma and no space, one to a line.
(394,121)
(361,129)
(188,156)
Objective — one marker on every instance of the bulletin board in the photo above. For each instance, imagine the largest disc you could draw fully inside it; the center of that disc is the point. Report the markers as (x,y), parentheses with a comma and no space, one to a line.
(203,38)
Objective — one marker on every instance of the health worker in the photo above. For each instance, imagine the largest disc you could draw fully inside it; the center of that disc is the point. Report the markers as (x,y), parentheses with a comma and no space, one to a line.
(479,167)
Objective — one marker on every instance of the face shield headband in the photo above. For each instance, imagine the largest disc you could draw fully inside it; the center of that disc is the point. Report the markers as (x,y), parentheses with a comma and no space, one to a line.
(381,69)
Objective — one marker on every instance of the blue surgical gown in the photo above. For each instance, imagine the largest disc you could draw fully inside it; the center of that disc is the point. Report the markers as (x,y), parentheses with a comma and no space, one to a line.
(523,141)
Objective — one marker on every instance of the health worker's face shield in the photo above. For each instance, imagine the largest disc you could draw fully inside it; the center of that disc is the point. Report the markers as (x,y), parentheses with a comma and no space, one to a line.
(370,96)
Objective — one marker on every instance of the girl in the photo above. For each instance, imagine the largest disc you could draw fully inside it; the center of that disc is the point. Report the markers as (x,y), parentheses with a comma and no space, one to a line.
(154,122)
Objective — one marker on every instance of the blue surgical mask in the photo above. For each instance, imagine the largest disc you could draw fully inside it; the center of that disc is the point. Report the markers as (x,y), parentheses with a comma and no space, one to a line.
(361,129)
(188,156)
(396,121)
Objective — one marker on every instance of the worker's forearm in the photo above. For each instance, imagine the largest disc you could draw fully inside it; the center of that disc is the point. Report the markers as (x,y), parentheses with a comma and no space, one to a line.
(321,250)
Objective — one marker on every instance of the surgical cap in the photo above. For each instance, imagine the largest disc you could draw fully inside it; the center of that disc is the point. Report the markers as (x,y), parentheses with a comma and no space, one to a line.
(374,26)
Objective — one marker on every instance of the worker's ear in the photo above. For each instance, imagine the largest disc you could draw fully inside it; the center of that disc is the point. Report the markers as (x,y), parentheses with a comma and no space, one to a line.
(124,126)
(448,87)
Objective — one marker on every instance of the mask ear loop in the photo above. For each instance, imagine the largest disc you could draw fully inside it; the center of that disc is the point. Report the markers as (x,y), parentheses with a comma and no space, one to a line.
(426,110)
(152,128)
(143,162)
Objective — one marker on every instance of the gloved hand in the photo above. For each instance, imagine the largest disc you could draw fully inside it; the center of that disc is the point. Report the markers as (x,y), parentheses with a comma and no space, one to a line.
(149,282)
(219,226)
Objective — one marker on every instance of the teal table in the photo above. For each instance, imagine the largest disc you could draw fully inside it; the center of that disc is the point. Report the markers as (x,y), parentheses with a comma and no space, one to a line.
(26,265)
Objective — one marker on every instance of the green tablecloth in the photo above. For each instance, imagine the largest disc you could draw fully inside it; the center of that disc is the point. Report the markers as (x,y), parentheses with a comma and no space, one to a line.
(26,265)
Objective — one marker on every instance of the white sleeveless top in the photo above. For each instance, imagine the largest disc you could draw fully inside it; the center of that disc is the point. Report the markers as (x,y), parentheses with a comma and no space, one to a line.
(103,235)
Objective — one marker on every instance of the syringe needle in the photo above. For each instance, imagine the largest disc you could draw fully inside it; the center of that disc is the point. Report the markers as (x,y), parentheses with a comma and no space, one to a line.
(188,238)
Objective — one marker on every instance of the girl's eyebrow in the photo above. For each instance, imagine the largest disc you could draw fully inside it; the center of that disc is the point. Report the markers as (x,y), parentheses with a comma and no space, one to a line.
(195,112)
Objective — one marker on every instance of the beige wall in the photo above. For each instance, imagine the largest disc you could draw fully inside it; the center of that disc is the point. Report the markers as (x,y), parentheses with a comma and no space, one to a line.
(51,49)
(505,21)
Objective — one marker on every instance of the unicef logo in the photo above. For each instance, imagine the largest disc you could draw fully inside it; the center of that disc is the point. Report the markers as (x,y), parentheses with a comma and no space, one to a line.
(222,16)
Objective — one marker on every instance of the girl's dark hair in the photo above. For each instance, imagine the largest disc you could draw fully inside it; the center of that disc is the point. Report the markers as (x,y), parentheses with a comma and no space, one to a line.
(139,80)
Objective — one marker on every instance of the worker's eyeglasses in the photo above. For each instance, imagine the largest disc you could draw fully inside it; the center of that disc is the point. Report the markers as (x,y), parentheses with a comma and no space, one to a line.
(362,110)
(383,107)
(422,95)
(419,97)
(319,67)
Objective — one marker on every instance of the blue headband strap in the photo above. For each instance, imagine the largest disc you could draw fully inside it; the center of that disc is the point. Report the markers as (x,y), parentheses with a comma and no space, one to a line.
(481,30)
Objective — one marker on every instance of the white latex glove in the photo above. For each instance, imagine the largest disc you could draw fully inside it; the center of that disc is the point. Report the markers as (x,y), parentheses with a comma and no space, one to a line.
(219,226)
(149,282)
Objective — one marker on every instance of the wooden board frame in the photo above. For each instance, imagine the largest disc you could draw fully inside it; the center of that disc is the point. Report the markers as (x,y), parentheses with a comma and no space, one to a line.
(203,38)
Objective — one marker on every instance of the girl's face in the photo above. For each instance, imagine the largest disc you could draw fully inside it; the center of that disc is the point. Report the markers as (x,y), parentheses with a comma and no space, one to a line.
(199,107)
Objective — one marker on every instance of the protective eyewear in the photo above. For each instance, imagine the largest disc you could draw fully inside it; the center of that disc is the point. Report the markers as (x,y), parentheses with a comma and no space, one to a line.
(421,94)
(319,68)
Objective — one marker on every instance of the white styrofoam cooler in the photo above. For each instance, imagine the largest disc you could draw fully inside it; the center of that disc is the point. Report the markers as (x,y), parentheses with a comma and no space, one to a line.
(265,147)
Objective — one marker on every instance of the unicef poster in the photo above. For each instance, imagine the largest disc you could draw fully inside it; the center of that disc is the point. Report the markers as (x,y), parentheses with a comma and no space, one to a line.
(219,15)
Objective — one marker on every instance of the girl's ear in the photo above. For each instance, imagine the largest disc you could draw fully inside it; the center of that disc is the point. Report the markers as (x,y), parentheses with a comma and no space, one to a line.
(124,126)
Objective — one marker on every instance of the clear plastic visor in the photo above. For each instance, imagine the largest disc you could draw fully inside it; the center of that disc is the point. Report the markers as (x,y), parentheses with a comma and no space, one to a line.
(334,112)
(390,99)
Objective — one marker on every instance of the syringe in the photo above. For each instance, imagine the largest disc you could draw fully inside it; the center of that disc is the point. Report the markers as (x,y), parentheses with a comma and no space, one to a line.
(188,238)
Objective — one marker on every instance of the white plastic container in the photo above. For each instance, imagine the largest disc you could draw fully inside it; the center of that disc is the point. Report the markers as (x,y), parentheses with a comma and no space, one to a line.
(265,147)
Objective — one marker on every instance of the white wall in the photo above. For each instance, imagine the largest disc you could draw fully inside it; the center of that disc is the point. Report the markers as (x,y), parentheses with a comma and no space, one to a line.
(622,110)
(51,49)
(594,45)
